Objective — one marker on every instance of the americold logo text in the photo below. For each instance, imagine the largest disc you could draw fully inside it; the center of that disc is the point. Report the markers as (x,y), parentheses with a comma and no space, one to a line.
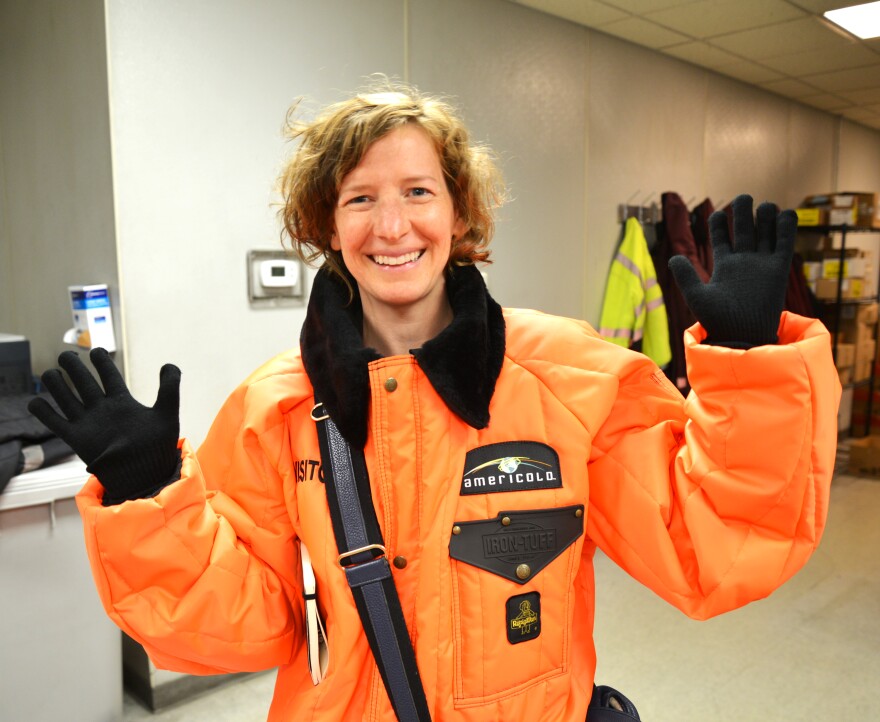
(510,466)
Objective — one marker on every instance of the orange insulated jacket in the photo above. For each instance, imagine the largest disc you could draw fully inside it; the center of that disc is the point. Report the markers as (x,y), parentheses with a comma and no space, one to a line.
(501,455)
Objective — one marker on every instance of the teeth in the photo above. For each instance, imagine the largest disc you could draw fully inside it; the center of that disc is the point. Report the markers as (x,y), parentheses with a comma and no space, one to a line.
(396,260)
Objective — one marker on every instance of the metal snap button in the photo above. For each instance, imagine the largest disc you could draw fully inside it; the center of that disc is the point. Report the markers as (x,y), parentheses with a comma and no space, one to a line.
(505,521)
(390,384)
(399,562)
(523,571)
(456,530)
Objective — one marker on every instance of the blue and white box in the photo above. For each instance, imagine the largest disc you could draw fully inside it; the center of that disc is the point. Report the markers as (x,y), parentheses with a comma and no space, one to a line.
(92,317)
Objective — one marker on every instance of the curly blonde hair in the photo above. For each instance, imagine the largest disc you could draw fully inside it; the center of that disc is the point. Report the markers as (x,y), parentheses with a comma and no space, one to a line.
(334,143)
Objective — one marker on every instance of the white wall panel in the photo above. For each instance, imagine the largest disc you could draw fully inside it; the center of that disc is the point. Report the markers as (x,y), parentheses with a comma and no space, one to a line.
(199,92)
(811,151)
(646,124)
(519,78)
(746,142)
(859,165)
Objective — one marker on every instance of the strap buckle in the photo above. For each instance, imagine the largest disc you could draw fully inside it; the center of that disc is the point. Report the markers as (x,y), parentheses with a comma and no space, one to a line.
(323,415)
(353,552)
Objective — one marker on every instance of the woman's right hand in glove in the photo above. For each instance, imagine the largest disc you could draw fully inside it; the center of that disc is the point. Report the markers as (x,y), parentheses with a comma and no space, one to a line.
(129,447)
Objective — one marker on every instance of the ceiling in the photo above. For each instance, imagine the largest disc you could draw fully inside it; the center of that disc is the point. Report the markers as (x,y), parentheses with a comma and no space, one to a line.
(783,46)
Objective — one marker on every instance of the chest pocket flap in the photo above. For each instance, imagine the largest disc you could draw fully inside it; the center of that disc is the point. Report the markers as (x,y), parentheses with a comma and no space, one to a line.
(516,545)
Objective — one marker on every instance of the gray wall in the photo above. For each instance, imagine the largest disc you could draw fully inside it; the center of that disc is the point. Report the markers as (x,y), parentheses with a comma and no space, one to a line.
(56,206)
(197,95)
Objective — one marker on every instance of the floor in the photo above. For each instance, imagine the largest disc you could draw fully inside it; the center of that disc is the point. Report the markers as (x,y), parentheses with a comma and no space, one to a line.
(809,652)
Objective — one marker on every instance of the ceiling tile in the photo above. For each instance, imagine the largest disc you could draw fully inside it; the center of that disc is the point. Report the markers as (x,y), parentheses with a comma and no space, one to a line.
(591,13)
(842,80)
(701,53)
(859,114)
(709,17)
(794,36)
(820,6)
(826,101)
(862,97)
(836,55)
(790,88)
(749,72)
(640,7)
(644,33)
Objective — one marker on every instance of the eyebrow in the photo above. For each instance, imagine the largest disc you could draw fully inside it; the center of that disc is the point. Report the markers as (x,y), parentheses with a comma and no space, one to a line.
(358,187)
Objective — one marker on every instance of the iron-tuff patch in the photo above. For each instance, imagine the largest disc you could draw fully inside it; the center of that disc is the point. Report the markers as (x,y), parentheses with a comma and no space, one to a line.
(510,466)
(523,617)
(517,545)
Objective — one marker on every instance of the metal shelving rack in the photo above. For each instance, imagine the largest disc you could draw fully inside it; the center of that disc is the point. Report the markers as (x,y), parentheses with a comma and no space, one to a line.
(840,302)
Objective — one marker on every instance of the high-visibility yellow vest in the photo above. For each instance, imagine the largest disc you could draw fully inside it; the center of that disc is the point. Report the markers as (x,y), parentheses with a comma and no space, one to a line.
(633,312)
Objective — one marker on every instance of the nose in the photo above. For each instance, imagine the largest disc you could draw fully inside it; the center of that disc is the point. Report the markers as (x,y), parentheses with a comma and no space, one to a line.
(391,222)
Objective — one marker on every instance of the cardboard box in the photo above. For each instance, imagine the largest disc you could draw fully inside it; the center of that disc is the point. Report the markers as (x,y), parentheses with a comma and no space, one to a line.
(812,216)
(855,209)
(812,270)
(826,288)
(865,353)
(864,456)
(867,313)
(861,371)
(855,267)
(845,355)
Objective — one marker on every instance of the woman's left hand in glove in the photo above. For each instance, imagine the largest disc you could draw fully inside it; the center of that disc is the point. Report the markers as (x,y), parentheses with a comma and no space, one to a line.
(742,303)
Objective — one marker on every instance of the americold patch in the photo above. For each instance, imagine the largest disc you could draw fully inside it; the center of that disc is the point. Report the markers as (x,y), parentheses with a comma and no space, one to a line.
(510,466)
(517,545)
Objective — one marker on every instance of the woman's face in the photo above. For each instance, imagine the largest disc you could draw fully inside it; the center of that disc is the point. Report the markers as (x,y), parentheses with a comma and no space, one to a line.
(394,223)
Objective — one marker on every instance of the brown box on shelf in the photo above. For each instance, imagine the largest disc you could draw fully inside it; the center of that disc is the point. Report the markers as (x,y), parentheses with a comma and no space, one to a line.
(858,209)
(861,371)
(826,288)
(854,266)
(864,456)
(866,351)
(867,313)
(812,216)
(846,355)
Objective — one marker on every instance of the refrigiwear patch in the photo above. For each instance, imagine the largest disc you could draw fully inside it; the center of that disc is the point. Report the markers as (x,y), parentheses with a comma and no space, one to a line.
(523,617)
(517,545)
(510,466)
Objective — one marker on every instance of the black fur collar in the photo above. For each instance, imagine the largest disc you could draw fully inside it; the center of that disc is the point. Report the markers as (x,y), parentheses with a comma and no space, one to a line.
(462,362)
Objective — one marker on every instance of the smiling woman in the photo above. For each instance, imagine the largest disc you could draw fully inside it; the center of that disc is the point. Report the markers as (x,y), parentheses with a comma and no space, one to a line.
(498,448)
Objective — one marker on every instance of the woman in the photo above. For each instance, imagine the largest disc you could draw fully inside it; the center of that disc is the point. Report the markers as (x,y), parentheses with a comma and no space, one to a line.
(466,416)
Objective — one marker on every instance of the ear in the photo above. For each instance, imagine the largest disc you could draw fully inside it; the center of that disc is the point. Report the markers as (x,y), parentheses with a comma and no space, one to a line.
(459,228)
(335,245)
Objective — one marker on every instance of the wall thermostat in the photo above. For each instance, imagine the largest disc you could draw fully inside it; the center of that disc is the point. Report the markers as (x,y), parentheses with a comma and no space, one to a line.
(274,276)
(279,273)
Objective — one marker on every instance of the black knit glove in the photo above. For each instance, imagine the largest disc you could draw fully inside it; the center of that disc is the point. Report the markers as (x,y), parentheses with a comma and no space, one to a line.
(131,448)
(741,304)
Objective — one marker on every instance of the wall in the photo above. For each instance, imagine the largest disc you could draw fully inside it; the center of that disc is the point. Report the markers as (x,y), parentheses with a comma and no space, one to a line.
(56,212)
(521,79)
(199,94)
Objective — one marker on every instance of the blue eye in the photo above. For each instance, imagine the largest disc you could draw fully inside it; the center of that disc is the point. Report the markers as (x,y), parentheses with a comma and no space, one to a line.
(420,192)
(359,199)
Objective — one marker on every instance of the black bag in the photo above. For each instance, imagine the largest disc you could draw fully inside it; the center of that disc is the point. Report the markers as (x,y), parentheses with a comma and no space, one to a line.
(609,705)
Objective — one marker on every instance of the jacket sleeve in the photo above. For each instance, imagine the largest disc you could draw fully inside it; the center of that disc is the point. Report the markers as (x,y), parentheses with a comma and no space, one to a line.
(715,501)
(205,575)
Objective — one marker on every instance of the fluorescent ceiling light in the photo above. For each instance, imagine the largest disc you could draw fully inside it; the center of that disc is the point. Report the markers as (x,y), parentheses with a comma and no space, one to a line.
(863,21)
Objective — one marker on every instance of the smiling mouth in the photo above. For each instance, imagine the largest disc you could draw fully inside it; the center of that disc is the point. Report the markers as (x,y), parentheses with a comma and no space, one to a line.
(397,260)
